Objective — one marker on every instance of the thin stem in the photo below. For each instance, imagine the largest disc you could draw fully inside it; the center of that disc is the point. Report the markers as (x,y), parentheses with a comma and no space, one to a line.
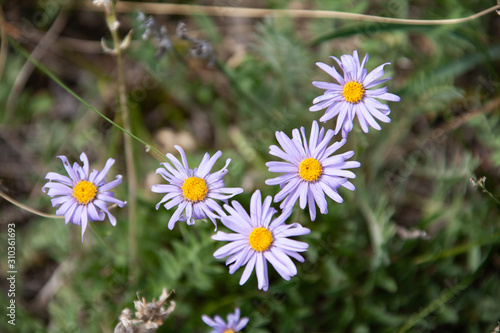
(447,294)
(492,196)
(100,239)
(482,187)
(178,9)
(129,154)
(460,120)
(47,72)
(28,209)
(455,123)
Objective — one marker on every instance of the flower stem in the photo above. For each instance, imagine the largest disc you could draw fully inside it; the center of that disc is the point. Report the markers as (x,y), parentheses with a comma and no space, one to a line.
(29,209)
(481,184)
(233,11)
(129,154)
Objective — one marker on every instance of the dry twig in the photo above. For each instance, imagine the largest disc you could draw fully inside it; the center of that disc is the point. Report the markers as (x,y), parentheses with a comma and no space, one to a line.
(178,9)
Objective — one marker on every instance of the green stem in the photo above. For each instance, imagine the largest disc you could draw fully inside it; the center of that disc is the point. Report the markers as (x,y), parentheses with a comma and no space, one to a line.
(47,72)
(100,239)
(129,154)
(446,295)
(482,187)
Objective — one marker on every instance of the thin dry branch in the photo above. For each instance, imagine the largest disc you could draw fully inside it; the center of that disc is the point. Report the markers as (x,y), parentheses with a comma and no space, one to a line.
(439,131)
(458,121)
(27,208)
(178,9)
(68,43)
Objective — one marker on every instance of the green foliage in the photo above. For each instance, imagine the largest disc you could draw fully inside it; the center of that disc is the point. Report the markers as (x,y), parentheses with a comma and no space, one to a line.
(364,271)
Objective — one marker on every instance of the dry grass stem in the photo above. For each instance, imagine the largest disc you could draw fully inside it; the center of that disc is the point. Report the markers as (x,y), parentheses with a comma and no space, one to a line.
(29,209)
(178,9)
(148,316)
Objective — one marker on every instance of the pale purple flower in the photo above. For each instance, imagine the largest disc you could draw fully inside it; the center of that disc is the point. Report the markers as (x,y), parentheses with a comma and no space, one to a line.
(259,238)
(234,323)
(353,95)
(193,191)
(83,196)
(310,170)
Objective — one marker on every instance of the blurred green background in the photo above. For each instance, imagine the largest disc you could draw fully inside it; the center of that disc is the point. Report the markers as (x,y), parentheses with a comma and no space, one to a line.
(415,248)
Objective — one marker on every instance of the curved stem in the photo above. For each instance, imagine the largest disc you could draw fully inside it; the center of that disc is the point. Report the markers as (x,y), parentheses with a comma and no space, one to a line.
(28,209)
(178,9)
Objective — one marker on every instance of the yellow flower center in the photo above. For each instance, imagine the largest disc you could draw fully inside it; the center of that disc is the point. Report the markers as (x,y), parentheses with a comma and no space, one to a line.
(260,239)
(84,192)
(310,169)
(194,189)
(228,331)
(353,92)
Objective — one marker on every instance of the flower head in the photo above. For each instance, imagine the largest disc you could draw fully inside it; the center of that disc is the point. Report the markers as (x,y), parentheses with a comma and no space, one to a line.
(234,323)
(82,196)
(353,95)
(193,191)
(310,170)
(259,238)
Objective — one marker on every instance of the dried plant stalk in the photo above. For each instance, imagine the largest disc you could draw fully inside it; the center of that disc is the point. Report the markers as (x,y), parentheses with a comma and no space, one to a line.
(148,316)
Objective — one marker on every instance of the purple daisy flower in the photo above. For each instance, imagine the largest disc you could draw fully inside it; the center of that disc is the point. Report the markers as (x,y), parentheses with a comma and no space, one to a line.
(234,323)
(310,169)
(82,196)
(193,191)
(257,240)
(353,95)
